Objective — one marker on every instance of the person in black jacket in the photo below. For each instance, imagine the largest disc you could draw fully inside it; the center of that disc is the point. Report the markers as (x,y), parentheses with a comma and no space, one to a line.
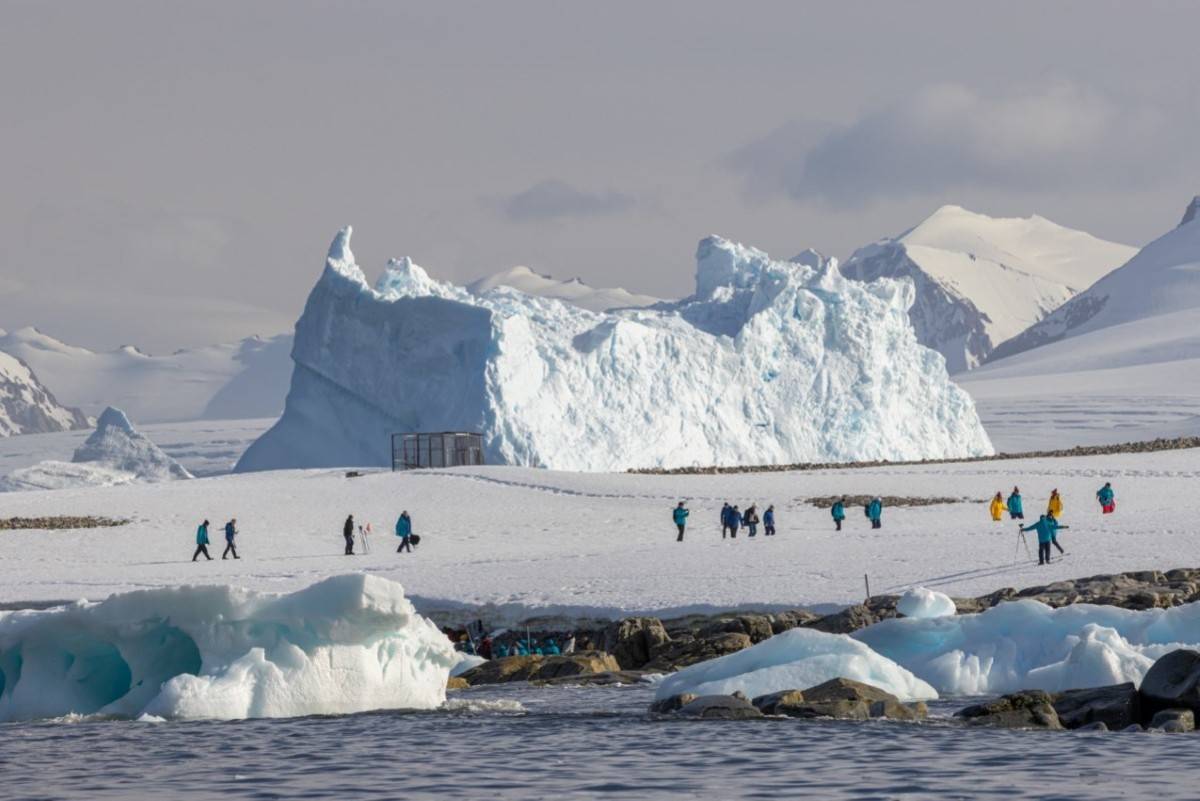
(348,533)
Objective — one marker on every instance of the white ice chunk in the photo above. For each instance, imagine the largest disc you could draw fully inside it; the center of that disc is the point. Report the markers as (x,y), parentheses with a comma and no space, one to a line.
(795,660)
(922,602)
(348,644)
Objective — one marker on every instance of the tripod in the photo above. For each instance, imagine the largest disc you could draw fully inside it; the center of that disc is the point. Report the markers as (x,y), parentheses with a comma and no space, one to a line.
(1021,541)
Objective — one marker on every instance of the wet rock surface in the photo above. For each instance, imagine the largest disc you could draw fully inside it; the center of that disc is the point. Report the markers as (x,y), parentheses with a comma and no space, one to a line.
(540,668)
(1028,709)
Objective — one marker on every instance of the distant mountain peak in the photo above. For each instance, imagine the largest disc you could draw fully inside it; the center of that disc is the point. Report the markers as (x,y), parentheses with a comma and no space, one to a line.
(1193,211)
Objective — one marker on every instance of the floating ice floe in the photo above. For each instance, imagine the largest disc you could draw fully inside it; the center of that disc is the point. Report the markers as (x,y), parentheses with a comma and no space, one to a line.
(350,643)
(925,603)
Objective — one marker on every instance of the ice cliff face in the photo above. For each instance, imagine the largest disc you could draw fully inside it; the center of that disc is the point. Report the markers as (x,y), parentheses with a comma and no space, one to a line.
(769,362)
(981,280)
(116,445)
(27,407)
(347,644)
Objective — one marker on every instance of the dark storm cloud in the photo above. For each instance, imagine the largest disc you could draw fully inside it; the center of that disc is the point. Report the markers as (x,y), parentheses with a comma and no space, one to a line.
(552,200)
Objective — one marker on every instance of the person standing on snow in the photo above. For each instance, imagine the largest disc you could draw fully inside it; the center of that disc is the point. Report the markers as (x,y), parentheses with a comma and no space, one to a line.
(1054,528)
(202,542)
(750,519)
(1055,507)
(230,533)
(839,513)
(1045,535)
(997,507)
(404,532)
(348,535)
(680,516)
(726,512)
(1107,498)
(1016,507)
(875,512)
(769,522)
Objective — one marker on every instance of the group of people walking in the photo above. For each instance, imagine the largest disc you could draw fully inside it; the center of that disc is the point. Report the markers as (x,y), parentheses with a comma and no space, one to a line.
(202,543)
(733,518)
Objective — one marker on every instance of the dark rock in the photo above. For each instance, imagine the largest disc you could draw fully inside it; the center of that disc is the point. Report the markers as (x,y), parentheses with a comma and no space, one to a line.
(456,683)
(672,703)
(635,641)
(723,707)
(679,654)
(1174,720)
(1173,682)
(1116,706)
(780,703)
(1095,725)
(848,620)
(540,668)
(795,618)
(839,698)
(1028,709)
(756,627)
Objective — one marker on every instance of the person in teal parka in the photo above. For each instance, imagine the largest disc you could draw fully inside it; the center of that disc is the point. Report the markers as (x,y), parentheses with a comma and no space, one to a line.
(680,515)
(875,512)
(1107,498)
(1045,527)
(404,532)
(1016,507)
(202,542)
(839,513)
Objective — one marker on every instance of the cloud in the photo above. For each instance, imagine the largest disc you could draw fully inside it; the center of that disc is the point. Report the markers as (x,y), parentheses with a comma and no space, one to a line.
(949,136)
(553,200)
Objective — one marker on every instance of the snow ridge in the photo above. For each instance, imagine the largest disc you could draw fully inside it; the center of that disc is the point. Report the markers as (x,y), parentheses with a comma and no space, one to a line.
(769,362)
(28,407)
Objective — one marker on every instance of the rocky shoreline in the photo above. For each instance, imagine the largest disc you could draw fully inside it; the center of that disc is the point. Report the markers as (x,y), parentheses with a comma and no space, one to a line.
(58,522)
(1148,446)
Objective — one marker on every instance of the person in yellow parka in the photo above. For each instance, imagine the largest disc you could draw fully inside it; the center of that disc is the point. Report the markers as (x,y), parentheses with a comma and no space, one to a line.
(997,508)
(1055,507)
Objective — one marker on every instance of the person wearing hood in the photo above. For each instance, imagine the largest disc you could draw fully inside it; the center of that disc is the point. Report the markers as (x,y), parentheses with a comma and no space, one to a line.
(230,533)
(1055,507)
(727,521)
(997,507)
(769,522)
(202,542)
(838,510)
(404,532)
(1016,507)
(1107,498)
(875,512)
(1045,535)
(348,535)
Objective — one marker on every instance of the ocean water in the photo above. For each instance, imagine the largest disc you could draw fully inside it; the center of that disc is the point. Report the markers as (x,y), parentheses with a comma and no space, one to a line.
(517,742)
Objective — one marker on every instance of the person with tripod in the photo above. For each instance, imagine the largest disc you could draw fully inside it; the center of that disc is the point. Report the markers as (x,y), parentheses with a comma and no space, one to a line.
(1054,529)
(1045,535)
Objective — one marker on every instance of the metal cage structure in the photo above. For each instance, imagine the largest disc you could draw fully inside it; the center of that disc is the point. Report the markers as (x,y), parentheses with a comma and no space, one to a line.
(439,449)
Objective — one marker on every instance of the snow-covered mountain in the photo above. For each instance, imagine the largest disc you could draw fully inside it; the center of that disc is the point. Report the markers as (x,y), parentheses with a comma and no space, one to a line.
(1162,279)
(981,280)
(1119,362)
(574,291)
(769,362)
(27,407)
(244,380)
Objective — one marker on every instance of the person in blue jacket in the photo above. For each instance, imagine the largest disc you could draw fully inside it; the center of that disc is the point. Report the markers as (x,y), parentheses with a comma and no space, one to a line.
(725,512)
(875,512)
(735,520)
(839,513)
(1054,529)
(404,532)
(1045,534)
(1107,498)
(551,648)
(769,522)
(230,534)
(202,542)
(1016,507)
(680,515)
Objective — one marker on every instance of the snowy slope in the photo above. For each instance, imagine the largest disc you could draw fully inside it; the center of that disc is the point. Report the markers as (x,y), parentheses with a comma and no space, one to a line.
(574,291)
(981,280)
(768,362)
(1163,278)
(28,407)
(516,542)
(244,380)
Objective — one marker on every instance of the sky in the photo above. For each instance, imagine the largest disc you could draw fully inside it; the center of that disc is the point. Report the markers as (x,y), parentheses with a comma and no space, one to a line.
(172,173)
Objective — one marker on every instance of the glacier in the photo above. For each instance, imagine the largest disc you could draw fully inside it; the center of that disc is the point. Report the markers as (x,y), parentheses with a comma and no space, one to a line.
(768,362)
(350,643)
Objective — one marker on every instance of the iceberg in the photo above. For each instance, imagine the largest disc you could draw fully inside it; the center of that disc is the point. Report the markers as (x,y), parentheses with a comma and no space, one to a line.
(769,362)
(117,445)
(794,660)
(1025,644)
(351,643)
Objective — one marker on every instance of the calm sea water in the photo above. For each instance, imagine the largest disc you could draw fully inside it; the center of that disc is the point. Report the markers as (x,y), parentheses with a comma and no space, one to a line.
(517,742)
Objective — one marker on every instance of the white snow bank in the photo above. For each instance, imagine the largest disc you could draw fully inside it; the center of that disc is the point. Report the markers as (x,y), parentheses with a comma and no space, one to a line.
(795,660)
(55,475)
(1028,645)
(769,362)
(348,644)
(924,603)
